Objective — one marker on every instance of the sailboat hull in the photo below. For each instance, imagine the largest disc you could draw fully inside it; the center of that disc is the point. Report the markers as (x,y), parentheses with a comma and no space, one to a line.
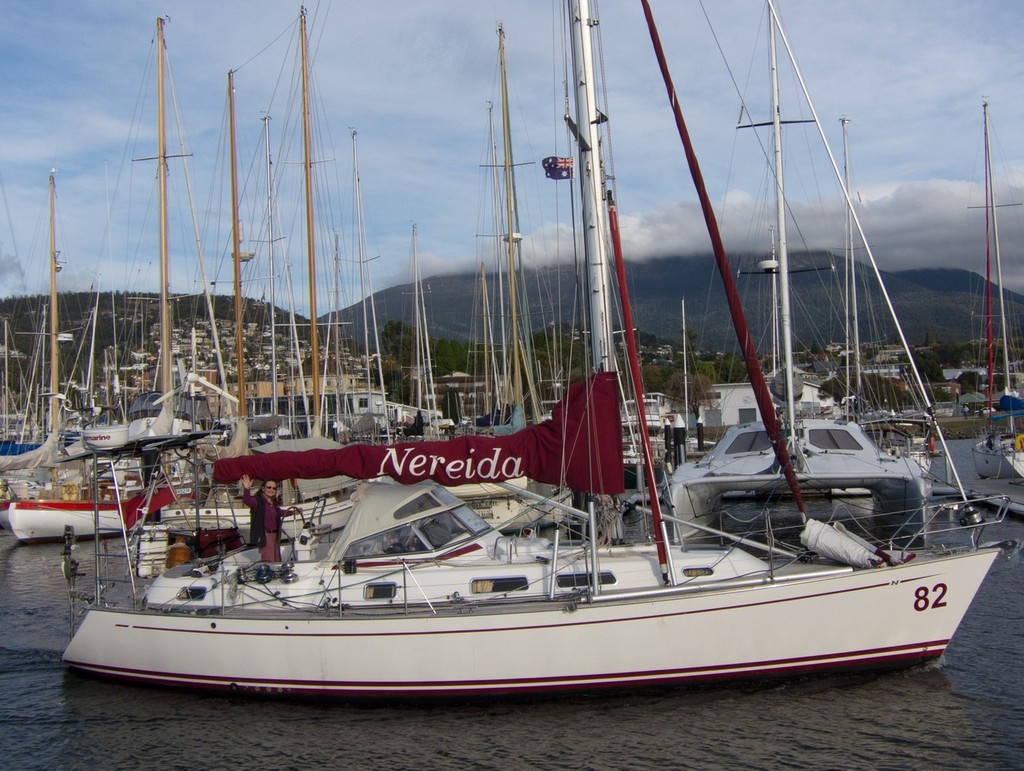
(811,623)
(43,521)
(998,458)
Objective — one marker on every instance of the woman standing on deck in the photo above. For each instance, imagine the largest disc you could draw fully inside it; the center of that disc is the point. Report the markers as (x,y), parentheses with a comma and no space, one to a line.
(265,518)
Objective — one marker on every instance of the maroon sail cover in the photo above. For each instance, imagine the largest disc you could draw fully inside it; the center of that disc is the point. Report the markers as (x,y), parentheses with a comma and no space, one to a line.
(133,509)
(580,447)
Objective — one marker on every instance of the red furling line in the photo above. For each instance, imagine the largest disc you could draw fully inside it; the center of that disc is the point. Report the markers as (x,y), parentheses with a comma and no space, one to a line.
(638,387)
(757,381)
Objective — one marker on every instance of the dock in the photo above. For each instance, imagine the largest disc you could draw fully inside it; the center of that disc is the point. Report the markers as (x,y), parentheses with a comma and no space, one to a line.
(1013,489)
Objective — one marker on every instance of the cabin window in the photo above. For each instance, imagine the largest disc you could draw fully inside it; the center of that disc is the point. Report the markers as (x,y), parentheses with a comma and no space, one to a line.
(749,441)
(397,540)
(417,505)
(441,529)
(498,585)
(833,439)
(470,519)
(582,580)
(380,591)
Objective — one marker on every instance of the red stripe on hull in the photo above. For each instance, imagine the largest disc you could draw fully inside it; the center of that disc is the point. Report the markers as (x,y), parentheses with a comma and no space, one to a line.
(848,661)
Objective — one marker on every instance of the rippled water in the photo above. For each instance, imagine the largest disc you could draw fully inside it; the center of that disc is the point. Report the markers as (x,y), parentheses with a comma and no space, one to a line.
(963,712)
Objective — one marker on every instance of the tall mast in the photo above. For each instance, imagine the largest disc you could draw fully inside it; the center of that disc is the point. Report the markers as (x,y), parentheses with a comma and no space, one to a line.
(510,235)
(686,372)
(7,378)
(994,240)
(591,180)
(340,409)
(422,364)
(500,374)
(521,356)
(314,342)
(853,320)
(361,254)
(270,259)
(771,269)
(419,349)
(783,251)
(367,293)
(486,312)
(165,280)
(236,250)
(54,268)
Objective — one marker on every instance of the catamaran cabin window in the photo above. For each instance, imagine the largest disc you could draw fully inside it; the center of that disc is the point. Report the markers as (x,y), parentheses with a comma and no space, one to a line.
(833,439)
(749,441)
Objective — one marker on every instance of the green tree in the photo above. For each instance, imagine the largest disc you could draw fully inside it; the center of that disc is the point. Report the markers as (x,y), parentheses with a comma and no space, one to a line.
(654,379)
(969,381)
(396,338)
(929,365)
(450,356)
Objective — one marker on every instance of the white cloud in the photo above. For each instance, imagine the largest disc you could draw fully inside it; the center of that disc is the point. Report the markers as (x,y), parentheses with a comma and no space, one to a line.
(414,80)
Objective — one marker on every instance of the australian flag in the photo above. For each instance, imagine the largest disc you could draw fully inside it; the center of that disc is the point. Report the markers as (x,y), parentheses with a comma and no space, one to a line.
(557,168)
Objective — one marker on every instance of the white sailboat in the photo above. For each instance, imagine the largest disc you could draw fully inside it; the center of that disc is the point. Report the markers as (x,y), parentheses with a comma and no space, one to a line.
(420,598)
(166,412)
(48,495)
(93,509)
(999,454)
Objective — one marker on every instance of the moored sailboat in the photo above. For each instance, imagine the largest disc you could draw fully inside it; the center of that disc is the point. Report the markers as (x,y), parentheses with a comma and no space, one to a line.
(999,454)
(53,490)
(419,598)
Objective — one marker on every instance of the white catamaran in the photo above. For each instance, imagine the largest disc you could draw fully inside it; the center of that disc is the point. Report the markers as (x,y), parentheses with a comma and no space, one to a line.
(828,455)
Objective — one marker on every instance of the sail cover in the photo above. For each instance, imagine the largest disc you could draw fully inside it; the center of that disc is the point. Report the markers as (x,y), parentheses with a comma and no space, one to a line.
(1011,402)
(580,446)
(43,456)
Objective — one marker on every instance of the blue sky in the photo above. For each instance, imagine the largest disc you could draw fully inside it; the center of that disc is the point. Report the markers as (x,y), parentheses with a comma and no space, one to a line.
(414,79)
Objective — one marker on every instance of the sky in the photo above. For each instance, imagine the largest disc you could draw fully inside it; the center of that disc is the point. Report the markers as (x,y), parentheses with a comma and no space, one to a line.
(415,80)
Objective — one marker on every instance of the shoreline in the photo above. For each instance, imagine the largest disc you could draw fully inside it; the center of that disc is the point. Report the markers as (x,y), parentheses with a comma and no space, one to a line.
(962,428)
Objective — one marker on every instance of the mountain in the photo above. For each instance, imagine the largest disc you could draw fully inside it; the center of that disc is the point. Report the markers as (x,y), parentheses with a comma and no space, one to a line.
(932,304)
(134,319)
